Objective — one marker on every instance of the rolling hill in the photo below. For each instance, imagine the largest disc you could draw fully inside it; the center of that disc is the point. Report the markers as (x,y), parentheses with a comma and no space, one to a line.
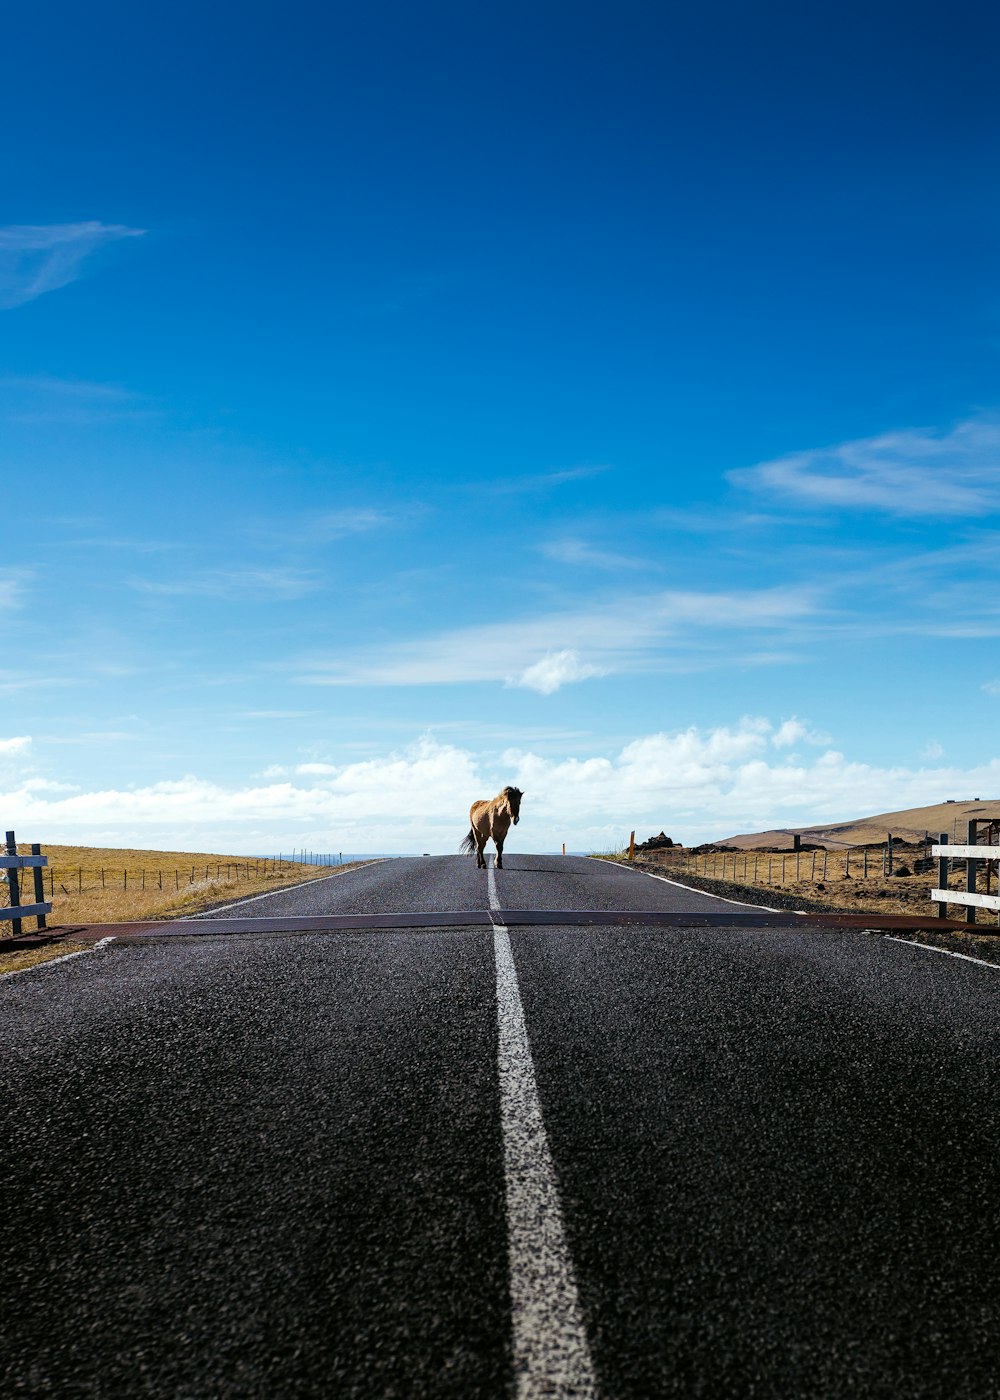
(911,824)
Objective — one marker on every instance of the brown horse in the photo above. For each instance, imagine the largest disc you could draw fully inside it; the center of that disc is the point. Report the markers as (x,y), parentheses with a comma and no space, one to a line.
(492,820)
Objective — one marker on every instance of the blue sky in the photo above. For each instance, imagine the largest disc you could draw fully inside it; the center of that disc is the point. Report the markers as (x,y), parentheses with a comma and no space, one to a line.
(397,401)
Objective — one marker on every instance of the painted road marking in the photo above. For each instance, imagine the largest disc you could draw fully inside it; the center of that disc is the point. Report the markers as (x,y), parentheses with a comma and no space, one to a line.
(551,1355)
(930,948)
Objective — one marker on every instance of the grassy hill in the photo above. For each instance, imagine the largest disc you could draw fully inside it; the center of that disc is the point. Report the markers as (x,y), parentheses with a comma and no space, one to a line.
(911,824)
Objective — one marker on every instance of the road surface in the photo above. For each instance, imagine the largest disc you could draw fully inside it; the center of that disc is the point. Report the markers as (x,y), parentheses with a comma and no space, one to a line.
(625,1160)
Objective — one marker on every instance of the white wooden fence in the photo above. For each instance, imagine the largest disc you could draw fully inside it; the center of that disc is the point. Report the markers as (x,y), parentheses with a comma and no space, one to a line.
(11,863)
(973,854)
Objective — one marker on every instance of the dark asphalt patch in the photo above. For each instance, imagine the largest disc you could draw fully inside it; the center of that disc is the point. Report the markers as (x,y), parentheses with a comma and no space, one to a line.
(256,1168)
(777,1158)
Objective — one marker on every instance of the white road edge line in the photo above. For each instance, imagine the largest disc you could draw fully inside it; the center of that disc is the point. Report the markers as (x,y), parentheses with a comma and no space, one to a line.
(930,948)
(253,898)
(551,1355)
(692,889)
(66,957)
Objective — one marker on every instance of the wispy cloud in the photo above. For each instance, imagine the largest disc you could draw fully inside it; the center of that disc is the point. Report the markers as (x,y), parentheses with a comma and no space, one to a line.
(639,632)
(233,584)
(580,554)
(992,687)
(913,473)
(44,398)
(274,714)
(545,481)
(35,259)
(408,292)
(314,530)
(19,745)
(11,588)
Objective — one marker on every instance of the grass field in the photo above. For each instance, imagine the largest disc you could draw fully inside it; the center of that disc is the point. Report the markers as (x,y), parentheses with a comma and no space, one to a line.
(95,885)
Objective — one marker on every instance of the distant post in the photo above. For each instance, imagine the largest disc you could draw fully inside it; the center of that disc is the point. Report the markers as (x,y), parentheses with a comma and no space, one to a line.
(631,846)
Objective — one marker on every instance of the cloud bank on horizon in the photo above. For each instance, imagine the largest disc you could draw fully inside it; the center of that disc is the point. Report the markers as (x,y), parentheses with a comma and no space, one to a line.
(697,785)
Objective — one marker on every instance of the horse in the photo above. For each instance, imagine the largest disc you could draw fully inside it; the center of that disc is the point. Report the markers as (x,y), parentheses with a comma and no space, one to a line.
(492,820)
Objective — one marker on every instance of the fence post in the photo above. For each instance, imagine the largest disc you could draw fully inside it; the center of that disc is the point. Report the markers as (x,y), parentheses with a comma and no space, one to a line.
(943,878)
(631,846)
(888,851)
(13,884)
(971,867)
(36,850)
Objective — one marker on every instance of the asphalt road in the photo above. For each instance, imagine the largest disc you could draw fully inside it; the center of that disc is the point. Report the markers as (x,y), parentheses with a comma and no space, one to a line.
(306,1165)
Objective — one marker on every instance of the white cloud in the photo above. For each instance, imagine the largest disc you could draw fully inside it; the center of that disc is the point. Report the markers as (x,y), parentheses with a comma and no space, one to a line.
(695,784)
(792,731)
(992,687)
(557,669)
(35,259)
(315,769)
(616,636)
(19,745)
(932,751)
(912,473)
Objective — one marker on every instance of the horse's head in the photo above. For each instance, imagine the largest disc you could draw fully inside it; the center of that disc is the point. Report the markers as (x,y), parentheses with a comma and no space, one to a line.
(514,796)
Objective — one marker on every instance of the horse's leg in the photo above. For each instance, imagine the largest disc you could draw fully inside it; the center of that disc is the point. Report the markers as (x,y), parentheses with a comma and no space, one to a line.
(498,840)
(480,848)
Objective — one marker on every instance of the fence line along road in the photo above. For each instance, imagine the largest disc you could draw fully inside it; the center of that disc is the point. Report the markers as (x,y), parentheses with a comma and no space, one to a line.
(973,854)
(11,862)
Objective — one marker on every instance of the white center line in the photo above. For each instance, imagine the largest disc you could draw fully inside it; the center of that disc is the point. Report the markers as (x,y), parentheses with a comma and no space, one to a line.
(551,1355)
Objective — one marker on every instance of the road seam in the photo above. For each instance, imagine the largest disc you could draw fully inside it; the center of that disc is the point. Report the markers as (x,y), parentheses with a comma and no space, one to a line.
(551,1356)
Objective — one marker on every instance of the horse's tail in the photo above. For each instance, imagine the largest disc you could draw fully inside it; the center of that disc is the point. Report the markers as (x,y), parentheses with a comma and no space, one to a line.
(469,844)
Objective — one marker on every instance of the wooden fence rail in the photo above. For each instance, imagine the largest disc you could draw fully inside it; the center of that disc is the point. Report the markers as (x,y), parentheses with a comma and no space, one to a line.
(11,862)
(973,854)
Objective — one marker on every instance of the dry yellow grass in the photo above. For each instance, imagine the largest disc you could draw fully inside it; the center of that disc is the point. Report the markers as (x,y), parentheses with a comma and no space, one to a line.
(31,957)
(97,885)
